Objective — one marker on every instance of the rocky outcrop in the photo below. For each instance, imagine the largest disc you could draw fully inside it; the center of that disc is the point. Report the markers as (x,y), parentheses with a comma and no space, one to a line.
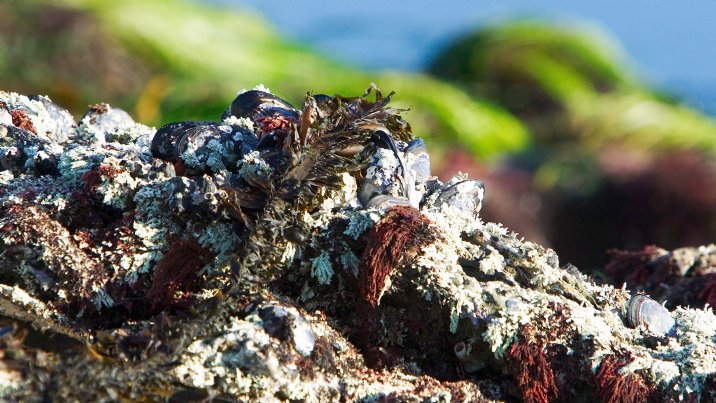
(296,254)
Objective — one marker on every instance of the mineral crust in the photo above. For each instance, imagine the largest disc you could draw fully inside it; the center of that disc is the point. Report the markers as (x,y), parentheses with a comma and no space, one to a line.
(294,254)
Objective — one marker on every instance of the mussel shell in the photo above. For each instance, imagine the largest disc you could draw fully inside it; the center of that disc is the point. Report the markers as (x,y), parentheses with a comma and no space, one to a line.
(385,137)
(472,355)
(190,195)
(255,104)
(420,160)
(644,311)
(465,195)
(382,202)
(171,140)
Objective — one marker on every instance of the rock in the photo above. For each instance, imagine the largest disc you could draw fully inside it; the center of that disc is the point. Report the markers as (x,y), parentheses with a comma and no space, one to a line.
(267,274)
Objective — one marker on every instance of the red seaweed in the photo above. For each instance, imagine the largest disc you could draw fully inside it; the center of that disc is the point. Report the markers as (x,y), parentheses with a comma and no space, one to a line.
(22,120)
(613,387)
(177,271)
(398,235)
(529,364)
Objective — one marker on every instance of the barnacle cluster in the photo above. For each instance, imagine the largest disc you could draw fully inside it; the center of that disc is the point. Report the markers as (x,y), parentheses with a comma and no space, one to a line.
(288,253)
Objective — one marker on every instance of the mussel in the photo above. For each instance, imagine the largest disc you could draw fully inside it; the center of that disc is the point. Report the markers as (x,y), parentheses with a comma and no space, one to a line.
(172,139)
(473,355)
(202,145)
(382,202)
(255,104)
(198,195)
(418,160)
(400,171)
(30,152)
(644,311)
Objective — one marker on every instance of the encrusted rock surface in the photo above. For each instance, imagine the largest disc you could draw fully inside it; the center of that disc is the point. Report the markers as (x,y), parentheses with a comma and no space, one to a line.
(294,254)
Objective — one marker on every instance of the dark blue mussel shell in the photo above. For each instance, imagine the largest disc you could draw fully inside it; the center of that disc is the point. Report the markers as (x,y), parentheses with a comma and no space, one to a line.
(255,104)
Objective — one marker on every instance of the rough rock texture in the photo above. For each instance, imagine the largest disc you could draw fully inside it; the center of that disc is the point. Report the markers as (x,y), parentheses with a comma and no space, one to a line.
(685,276)
(293,254)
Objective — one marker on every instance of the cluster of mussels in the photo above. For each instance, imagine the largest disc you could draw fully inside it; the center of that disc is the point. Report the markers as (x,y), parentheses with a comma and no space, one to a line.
(273,157)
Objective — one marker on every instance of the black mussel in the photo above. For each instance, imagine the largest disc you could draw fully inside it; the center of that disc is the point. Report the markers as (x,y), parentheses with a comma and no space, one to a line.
(171,140)
(202,146)
(255,104)
(473,355)
(198,195)
(286,323)
(644,311)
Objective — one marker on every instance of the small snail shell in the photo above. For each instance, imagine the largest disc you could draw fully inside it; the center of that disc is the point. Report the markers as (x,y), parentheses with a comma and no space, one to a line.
(642,310)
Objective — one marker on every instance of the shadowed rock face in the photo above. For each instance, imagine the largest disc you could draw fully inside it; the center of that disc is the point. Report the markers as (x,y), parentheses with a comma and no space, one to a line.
(295,254)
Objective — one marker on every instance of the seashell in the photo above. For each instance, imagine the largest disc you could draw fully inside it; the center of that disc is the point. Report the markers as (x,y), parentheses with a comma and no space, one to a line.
(382,177)
(466,196)
(402,170)
(171,140)
(644,311)
(255,104)
(383,202)
(418,171)
(419,160)
(30,152)
(191,195)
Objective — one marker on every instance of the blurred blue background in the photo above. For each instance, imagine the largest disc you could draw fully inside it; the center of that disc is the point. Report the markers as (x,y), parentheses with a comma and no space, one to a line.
(672,42)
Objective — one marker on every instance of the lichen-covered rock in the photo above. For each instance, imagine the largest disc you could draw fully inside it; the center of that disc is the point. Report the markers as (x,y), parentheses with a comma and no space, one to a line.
(297,254)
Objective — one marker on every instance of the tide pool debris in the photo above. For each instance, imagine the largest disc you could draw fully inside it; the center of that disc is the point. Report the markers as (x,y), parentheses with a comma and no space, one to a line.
(296,254)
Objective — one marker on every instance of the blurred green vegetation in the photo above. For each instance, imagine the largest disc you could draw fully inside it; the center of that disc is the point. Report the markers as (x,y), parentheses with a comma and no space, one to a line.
(570,86)
(185,61)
